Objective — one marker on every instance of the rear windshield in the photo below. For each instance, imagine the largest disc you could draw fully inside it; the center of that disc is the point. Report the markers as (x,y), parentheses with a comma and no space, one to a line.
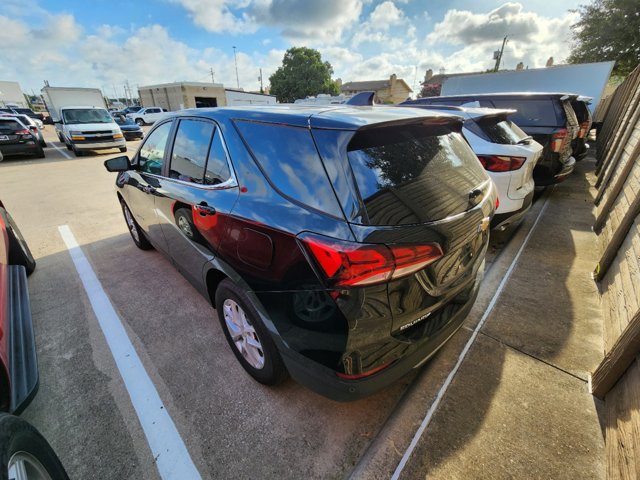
(531,113)
(408,175)
(10,126)
(496,130)
(25,111)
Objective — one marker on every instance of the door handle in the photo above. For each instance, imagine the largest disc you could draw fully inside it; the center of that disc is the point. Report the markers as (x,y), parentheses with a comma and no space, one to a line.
(204,209)
(148,189)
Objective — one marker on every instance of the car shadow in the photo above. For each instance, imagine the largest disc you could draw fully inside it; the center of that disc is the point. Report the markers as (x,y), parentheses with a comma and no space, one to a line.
(517,408)
(83,409)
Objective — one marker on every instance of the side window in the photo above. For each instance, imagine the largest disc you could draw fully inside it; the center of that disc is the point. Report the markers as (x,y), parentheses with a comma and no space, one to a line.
(190,150)
(289,159)
(217,166)
(150,158)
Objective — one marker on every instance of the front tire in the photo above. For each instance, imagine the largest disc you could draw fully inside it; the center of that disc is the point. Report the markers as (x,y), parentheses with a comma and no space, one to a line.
(137,235)
(247,336)
(140,122)
(23,449)
(123,149)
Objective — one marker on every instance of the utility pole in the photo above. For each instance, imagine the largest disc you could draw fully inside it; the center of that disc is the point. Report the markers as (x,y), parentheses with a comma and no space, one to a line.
(213,80)
(498,55)
(261,89)
(236,60)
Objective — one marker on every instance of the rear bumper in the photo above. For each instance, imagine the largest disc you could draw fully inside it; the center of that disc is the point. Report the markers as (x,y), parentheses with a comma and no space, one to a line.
(20,148)
(324,381)
(567,169)
(23,366)
(503,220)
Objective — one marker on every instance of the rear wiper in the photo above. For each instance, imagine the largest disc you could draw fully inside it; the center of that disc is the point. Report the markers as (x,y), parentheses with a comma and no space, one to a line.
(525,140)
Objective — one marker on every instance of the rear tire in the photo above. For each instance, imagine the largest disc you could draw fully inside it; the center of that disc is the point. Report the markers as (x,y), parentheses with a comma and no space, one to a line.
(22,446)
(251,341)
(137,235)
(40,153)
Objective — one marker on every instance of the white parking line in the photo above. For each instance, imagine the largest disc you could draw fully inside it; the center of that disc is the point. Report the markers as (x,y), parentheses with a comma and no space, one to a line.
(64,154)
(463,354)
(169,451)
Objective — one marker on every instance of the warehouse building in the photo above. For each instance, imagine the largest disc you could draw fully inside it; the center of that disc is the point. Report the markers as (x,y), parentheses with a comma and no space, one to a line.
(179,95)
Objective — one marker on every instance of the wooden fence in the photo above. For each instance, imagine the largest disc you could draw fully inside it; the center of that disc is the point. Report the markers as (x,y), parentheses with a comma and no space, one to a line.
(617,224)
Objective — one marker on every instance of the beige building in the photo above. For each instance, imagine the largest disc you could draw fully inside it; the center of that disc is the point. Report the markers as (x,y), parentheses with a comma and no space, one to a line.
(179,95)
(392,90)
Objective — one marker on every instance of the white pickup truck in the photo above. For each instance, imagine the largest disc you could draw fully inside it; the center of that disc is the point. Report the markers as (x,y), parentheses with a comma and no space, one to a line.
(147,115)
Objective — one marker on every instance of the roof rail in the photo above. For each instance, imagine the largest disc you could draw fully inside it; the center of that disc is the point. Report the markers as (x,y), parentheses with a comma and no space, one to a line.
(362,99)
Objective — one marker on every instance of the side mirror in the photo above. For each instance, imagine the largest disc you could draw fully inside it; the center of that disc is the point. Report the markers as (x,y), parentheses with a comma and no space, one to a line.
(118,164)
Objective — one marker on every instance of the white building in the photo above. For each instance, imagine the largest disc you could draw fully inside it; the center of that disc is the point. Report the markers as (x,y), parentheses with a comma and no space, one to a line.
(11,95)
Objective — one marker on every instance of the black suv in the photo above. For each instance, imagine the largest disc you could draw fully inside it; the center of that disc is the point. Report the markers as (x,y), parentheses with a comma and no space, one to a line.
(341,244)
(548,117)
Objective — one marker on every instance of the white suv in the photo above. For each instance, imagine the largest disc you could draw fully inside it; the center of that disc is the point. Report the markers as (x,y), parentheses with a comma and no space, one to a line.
(507,154)
(147,115)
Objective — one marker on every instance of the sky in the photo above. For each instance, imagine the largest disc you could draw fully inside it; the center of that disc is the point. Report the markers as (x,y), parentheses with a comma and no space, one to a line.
(105,44)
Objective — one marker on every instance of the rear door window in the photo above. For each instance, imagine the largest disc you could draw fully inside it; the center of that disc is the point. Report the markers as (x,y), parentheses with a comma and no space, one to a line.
(190,150)
(217,170)
(288,158)
(531,113)
(409,175)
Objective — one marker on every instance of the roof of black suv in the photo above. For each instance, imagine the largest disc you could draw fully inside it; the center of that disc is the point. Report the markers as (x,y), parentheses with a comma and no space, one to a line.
(325,116)
(500,95)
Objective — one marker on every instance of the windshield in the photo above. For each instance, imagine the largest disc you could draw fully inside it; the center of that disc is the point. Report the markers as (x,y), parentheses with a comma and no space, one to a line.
(74,116)
(120,120)
(409,175)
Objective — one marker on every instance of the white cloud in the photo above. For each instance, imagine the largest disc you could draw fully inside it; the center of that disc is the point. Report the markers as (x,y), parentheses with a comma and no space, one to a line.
(386,25)
(320,22)
(217,15)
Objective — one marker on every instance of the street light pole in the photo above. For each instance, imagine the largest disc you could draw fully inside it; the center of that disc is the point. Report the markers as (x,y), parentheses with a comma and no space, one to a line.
(236,60)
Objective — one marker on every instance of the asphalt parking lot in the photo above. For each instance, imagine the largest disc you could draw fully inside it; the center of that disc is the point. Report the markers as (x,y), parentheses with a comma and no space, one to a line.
(232,427)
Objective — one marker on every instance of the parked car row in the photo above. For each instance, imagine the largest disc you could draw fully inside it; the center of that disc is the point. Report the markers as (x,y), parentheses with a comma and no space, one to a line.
(558,121)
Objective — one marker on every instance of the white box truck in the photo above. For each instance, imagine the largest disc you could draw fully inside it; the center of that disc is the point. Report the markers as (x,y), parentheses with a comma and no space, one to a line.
(81,119)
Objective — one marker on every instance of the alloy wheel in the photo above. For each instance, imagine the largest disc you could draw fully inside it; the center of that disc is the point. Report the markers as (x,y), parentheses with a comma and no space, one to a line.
(243,334)
(131,223)
(24,466)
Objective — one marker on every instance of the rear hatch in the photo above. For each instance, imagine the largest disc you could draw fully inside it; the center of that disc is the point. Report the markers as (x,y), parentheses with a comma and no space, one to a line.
(13,132)
(421,185)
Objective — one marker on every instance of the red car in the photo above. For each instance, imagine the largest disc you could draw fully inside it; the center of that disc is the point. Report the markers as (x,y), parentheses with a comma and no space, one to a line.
(23,451)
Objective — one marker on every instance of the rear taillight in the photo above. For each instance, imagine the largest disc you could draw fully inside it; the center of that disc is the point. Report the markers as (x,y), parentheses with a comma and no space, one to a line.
(347,264)
(499,163)
(23,132)
(584,127)
(558,139)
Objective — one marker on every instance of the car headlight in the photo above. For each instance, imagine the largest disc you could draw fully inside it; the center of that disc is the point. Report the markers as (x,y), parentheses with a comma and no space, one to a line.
(74,133)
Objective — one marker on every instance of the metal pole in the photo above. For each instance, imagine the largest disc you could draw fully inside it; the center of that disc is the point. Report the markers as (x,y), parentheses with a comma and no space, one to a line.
(212,78)
(236,60)
(261,89)
(499,59)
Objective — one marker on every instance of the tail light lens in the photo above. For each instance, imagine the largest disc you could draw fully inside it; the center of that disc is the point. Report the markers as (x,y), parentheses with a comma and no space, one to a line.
(347,264)
(584,127)
(558,139)
(23,132)
(498,163)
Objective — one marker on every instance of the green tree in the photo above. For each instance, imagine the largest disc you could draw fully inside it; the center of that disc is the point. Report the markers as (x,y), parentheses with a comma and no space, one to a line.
(302,73)
(608,30)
